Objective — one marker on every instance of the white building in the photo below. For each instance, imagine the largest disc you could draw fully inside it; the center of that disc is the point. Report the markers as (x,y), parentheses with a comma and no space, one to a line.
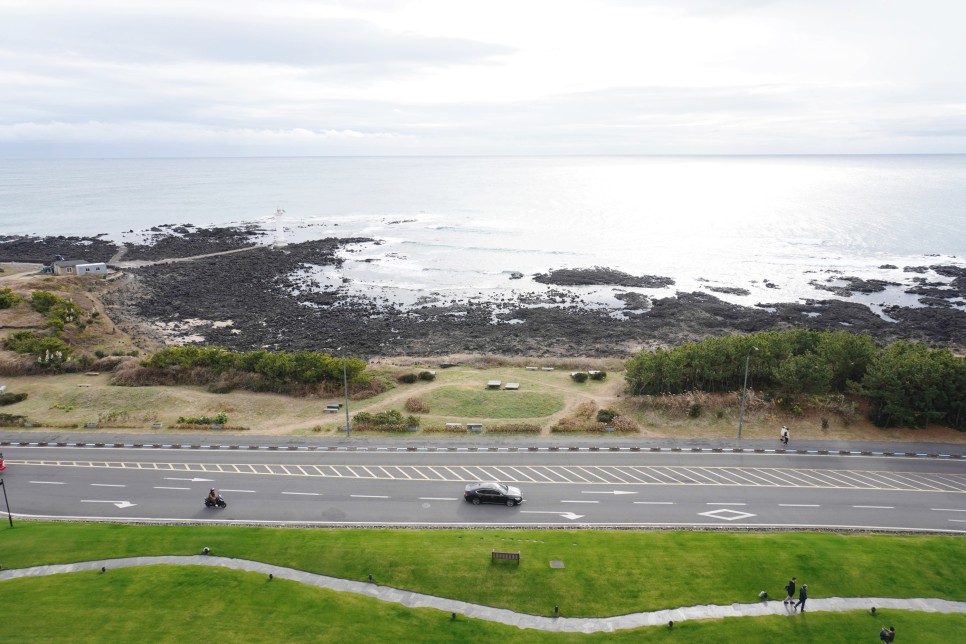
(78,267)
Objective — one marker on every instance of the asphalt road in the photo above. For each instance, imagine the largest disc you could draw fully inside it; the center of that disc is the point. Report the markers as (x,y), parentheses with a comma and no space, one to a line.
(563,486)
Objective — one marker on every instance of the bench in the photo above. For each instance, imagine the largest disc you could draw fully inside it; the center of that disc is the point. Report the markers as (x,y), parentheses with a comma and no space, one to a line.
(512,385)
(493,384)
(509,556)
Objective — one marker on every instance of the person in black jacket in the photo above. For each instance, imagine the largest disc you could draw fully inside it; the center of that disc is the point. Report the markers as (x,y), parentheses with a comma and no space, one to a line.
(790,589)
(802,596)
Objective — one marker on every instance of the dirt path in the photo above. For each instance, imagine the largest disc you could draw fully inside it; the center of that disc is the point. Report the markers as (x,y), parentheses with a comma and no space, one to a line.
(137,263)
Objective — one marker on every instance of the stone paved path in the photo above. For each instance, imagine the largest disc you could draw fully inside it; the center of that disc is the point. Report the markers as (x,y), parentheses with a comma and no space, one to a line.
(501,615)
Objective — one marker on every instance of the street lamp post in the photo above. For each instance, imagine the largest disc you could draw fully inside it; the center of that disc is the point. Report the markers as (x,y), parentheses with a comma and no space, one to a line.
(744,392)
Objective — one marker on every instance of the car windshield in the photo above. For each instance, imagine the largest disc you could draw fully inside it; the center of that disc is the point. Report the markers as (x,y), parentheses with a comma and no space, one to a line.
(502,488)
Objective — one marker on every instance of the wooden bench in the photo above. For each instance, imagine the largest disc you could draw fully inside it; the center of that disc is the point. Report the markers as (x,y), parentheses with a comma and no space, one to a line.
(509,556)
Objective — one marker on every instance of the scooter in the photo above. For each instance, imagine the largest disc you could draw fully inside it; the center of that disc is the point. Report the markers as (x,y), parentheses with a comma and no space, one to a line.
(2,466)
(220,502)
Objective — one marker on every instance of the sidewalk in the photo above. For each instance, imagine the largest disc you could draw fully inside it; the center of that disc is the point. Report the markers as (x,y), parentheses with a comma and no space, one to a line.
(501,615)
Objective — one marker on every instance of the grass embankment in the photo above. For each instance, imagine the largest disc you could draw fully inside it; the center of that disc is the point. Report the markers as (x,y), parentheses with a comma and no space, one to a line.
(605,573)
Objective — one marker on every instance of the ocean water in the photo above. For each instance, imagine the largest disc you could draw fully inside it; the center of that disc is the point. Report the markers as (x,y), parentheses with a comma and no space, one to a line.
(458,227)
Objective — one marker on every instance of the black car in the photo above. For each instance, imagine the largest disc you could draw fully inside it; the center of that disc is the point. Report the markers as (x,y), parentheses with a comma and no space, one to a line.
(491,492)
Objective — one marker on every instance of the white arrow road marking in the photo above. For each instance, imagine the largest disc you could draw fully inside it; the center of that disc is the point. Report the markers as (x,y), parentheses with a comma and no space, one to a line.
(120,504)
(606,492)
(566,515)
(171,478)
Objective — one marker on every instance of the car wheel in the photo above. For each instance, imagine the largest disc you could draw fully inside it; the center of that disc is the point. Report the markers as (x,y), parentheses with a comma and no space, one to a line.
(510,503)
(476,500)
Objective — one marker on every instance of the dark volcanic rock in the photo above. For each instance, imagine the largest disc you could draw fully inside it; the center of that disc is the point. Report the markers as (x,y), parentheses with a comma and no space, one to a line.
(600,276)
(42,249)
(729,290)
(186,242)
(852,285)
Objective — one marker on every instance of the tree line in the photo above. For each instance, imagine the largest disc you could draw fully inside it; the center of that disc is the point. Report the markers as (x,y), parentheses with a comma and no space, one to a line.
(905,383)
(279,368)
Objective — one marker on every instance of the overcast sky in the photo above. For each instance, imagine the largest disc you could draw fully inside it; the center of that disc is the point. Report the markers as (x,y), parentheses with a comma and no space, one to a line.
(104,78)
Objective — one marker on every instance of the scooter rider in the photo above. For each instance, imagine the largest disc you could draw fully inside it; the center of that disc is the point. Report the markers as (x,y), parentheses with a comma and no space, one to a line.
(212,495)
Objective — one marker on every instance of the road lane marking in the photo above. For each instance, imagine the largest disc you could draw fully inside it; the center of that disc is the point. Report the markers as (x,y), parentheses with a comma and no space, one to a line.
(107,485)
(653,502)
(614,492)
(48,482)
(565,515)
(946,510)
(369,496)
(875,507)
(239,491)
(438,498)
(568,501)
(799,505)
(303,493)
(723,503)
(159,487)
(120,504)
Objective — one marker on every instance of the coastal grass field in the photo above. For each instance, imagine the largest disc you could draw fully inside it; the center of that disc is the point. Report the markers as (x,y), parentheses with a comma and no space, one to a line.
(605,573)
(458,394)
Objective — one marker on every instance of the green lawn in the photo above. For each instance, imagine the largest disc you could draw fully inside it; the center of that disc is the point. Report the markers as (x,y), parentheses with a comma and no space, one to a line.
(605,573)
(196,604)
(477,402)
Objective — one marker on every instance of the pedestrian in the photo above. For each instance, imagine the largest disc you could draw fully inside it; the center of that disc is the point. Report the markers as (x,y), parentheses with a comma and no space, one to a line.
(783,437)
(887,634)
(802,596)
(790,590)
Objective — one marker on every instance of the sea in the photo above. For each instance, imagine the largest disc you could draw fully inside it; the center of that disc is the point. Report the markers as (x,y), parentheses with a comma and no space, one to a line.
(751,230)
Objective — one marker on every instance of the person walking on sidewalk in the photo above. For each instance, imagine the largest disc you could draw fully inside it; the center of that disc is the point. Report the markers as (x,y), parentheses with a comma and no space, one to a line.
(783,437)
(802,596)
(790,591)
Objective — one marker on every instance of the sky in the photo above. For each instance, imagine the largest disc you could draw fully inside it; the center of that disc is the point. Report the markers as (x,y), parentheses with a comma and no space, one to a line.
(107,78)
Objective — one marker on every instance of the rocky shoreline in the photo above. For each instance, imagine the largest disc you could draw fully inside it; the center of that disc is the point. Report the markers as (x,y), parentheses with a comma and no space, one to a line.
(257,299)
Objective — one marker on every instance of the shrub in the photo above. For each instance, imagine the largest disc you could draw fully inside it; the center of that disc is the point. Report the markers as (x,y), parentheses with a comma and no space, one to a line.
(8,398)
(427,375)
(598,375)
(416,406)
(100,354)
(220,419)
(412,421)
(606,415)
(694,410)
(579,376)
(9,299)
(514,428)
(407,378)
(624,424)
